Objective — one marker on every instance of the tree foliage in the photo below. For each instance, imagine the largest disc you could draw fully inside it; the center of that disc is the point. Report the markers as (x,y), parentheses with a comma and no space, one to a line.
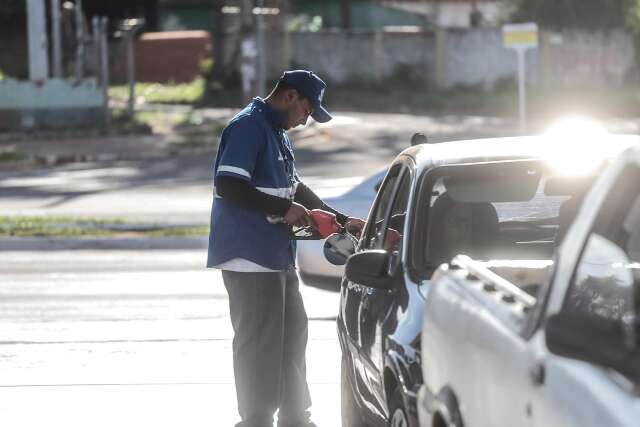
(582,14)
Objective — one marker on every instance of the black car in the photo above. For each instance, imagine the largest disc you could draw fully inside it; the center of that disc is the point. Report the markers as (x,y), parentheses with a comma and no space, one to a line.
(424,214)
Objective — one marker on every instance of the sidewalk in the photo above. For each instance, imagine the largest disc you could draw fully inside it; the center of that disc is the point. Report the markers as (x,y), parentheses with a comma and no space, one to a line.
(89,148)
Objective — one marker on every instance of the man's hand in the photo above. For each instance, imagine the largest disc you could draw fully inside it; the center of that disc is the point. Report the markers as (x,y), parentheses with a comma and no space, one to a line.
(392,239)
(297,215)
(354,226)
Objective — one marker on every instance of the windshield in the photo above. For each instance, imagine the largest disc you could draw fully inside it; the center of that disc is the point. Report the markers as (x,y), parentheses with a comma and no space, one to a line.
(508,210)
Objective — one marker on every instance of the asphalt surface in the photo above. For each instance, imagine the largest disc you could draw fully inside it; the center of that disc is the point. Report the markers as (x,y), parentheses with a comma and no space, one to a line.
(132,338)
(178,189)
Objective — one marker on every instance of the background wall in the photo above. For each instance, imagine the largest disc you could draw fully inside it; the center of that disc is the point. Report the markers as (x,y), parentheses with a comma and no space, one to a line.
(453,57)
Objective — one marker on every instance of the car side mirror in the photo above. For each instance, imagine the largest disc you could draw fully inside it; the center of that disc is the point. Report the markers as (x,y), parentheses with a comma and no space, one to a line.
(370,268)
(594,340)
(338,248)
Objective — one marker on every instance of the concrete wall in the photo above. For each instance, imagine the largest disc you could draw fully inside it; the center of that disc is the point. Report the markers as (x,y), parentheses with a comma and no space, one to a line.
(356,56)
(477,57)
(585,58)
(454,57)
(448,14)
(53,104)
(568,59)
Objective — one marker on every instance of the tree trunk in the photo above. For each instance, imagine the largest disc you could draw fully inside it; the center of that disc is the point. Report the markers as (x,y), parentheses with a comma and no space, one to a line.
(345,14)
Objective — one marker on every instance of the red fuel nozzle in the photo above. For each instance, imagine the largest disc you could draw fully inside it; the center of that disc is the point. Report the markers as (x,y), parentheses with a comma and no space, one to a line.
(325,222)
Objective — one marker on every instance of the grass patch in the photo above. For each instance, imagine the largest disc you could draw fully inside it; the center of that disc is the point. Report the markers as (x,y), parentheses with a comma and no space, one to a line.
(190,129)
(14,156)
(156,121)
(218,96)
(202,230)
(60,227)
(475,100)
(169,93)
(160,122)
(196,132)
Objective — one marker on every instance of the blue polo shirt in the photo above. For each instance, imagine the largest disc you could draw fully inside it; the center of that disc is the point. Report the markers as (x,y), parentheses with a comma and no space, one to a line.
(255,148)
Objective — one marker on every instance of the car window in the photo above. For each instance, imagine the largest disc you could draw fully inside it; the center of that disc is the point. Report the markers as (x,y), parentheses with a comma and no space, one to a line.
(394,235)
(511,211)
(493,211)
(606,282)
(375,232)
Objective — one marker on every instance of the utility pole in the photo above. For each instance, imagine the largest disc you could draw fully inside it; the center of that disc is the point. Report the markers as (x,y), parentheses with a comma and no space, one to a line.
(38,59)
(104,62)
(248,51)
(79,40)
(56,31)
(130,27)
(521,38)
(131,71)
(95,31)
(261,55)
(475,16)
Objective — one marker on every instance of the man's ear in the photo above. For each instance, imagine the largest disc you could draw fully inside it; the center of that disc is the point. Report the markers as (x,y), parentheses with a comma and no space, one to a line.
(290,95)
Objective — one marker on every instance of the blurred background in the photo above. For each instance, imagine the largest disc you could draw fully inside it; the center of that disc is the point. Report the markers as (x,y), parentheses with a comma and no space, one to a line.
(420,56)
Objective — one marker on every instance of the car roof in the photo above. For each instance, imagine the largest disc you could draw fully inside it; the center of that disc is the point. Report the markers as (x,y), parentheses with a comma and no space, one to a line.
(517,148)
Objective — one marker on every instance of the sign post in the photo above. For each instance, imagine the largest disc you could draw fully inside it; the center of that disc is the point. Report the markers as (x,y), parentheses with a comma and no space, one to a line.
(521,37)
(38,41)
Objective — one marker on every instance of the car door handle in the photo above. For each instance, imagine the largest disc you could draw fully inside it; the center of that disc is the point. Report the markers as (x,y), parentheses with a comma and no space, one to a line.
(537,373)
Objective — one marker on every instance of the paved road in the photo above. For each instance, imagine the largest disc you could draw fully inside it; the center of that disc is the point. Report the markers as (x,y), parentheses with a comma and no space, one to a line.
(178,189)
(132,338)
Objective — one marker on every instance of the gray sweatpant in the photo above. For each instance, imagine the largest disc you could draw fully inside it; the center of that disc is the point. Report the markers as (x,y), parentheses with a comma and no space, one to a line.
(270,339)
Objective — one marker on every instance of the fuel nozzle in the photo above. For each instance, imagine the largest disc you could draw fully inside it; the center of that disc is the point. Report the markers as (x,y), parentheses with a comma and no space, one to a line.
(325,224)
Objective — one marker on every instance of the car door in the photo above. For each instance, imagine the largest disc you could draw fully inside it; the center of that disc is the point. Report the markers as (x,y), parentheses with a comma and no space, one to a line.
(378,306)
(352,292)
(605,289)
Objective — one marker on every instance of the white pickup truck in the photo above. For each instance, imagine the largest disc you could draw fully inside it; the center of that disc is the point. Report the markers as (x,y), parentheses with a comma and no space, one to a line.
(543,342)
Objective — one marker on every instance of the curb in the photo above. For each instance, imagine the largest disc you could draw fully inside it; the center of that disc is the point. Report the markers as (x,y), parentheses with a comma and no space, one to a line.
(113,243)
(54,160)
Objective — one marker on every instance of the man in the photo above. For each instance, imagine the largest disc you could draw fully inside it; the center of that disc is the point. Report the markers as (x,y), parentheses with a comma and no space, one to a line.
(259,197)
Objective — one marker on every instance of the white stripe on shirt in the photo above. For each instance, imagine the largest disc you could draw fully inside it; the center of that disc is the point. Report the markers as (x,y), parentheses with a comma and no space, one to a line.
(234,169)
(282,192)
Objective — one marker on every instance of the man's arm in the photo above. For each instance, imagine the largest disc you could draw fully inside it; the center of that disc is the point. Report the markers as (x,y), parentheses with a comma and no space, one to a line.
(310,200)
(306,197)
(242,193)
(239,191)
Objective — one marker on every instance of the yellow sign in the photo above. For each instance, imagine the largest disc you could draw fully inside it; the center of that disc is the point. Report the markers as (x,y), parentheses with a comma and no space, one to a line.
(520,35)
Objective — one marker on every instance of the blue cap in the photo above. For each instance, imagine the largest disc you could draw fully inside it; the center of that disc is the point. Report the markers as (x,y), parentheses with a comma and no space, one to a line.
(311,87)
